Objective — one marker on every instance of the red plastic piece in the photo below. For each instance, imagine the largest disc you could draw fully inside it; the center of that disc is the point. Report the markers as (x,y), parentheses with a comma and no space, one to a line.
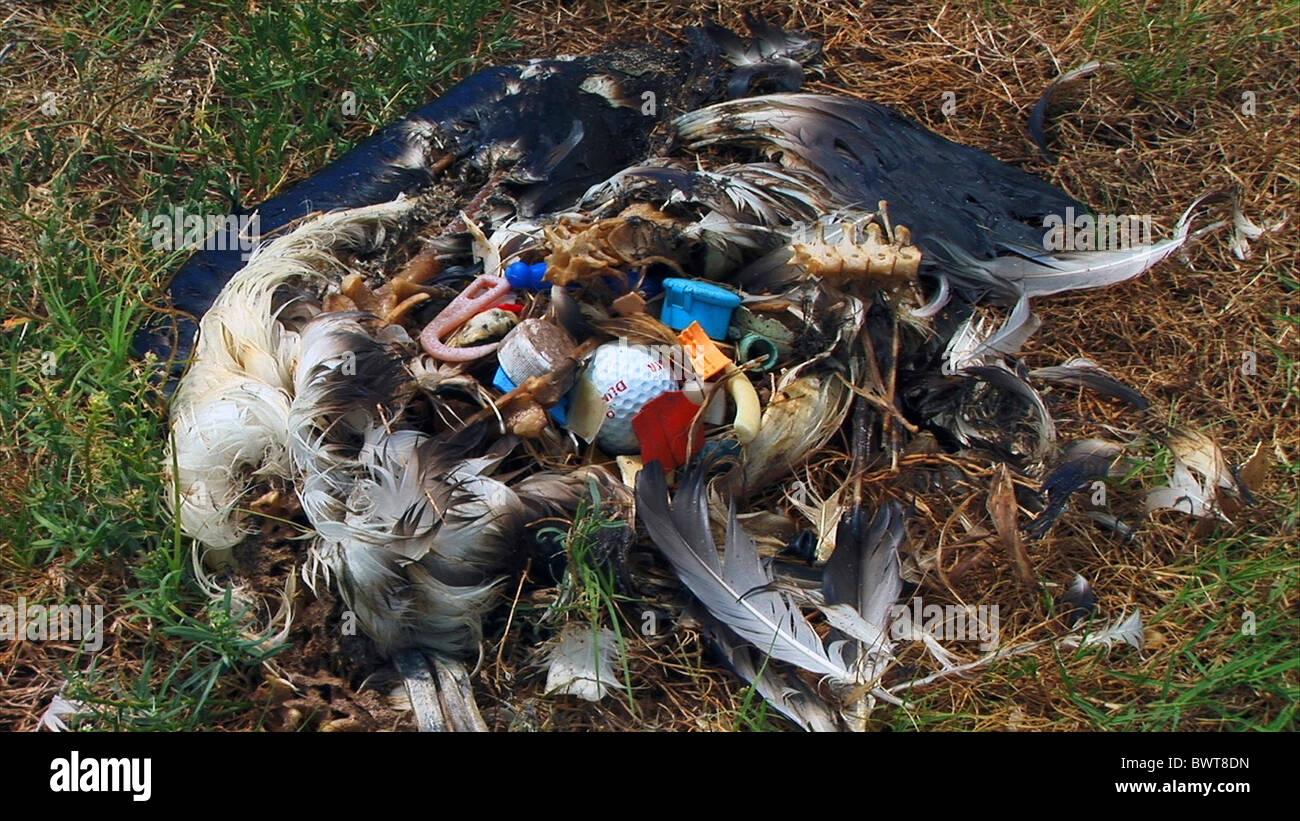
(663,427)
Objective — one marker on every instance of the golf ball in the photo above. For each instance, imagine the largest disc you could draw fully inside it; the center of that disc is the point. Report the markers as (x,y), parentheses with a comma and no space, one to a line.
(626,377)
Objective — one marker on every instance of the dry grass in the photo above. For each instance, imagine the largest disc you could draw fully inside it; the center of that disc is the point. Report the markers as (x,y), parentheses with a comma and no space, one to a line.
(1148,135)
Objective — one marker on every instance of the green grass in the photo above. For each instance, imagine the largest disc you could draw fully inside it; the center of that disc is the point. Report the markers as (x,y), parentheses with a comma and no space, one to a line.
(82,428)
(310,79)
(1224,673)
(589,586)
(753,714)
(1163,47)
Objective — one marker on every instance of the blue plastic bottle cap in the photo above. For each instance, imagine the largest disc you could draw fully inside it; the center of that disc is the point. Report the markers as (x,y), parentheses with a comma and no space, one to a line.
(689,300)
(527,277)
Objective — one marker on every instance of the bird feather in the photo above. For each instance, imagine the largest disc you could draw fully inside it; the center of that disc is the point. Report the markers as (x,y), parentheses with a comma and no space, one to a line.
(788,694)
(582,661)
(1086,373)
(863,570)
(736,589)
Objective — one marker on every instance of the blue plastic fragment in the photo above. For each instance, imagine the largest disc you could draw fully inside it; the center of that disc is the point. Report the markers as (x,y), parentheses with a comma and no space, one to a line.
(559,411)
(688,300)
(649,286)
(527,277)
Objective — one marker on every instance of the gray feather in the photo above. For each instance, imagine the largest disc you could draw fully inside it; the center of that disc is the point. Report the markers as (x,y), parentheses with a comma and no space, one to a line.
(1084,461)
(1045,274)
(1088,374)
(863,570)
(786,693)
(735,590)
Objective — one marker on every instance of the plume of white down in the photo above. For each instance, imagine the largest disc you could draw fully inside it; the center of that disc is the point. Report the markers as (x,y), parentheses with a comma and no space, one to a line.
(229,416)
(976,343)
(413,542)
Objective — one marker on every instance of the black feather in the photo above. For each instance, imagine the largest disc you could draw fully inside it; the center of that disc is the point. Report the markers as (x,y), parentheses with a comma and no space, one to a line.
(1088,374)
(863,570)
(1038,117)
(867,152)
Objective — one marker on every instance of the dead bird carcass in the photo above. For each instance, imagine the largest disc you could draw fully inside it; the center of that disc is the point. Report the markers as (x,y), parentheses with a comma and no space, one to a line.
(565,274)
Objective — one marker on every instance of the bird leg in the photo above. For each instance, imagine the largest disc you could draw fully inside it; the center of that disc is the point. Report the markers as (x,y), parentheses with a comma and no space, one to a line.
(457,696)
(422,690)
(890,434)
(442,697)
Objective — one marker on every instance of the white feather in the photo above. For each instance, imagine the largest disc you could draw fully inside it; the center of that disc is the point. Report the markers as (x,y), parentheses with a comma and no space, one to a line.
(582,663)
(1126,631)
(230,413)
(1047,274)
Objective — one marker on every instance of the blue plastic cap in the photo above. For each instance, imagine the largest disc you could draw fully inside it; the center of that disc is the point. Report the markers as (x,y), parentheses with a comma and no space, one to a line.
(689,300)
(527,277)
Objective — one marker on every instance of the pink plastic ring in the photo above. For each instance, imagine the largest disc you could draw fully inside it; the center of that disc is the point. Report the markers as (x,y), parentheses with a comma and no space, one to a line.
(479,295)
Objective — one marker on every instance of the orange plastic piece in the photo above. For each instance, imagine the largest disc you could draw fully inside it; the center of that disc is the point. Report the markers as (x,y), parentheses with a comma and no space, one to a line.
(706,358)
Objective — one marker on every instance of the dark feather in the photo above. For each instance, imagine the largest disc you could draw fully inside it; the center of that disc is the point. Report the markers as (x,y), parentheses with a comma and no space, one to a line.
(863,570)
(1038,116)
(1084,461)
(1078,602)
(865,152)
(1089,374)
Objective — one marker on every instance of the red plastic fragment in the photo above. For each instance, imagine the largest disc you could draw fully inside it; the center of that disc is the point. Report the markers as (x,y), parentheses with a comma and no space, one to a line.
(663,427)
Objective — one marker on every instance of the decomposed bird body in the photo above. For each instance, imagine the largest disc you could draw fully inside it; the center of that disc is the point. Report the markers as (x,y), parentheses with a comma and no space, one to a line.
(880,250)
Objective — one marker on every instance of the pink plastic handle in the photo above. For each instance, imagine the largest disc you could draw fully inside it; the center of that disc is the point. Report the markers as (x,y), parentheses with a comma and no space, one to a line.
(479,295)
